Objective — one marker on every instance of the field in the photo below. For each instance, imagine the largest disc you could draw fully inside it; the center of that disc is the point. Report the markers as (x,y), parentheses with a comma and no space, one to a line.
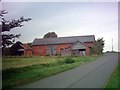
(21,70)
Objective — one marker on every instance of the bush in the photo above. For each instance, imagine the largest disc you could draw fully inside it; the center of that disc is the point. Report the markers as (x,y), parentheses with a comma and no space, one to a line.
(69,60)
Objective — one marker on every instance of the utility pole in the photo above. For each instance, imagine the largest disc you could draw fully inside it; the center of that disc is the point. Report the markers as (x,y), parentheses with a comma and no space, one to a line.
(112,44)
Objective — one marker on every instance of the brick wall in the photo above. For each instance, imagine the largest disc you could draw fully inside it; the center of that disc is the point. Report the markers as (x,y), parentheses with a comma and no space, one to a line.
(87,51)
(89,44)
(58,47)
(28,52)
(39,50)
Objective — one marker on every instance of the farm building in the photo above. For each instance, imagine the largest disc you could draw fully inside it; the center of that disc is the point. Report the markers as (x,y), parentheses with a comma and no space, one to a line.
(65,46)
(25,50)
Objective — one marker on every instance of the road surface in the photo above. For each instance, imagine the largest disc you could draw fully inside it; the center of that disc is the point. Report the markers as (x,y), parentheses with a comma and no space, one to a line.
(91,75)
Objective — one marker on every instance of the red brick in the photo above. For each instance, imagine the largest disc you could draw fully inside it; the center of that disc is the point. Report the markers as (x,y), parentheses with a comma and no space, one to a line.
(39,50)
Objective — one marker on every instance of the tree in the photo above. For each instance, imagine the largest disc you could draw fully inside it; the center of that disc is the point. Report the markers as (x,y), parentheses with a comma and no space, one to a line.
(50,35)
(15,47)
(5,25)
(98,46)
(6,52)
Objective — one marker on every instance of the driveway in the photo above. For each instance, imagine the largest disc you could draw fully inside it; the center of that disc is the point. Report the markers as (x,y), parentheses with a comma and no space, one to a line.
(91,75)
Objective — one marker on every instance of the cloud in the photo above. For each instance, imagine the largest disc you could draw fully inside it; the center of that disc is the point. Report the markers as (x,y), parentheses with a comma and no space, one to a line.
(67,19)
(15,9)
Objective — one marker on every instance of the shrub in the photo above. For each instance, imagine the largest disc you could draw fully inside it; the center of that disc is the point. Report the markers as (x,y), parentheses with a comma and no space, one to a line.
(69,60)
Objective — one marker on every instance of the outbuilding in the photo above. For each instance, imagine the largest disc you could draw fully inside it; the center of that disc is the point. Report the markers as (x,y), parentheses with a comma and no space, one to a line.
(25,50)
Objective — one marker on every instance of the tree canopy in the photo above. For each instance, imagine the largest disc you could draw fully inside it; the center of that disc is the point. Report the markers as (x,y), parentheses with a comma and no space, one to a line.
(5,25)
(50,35)
(98,46)
(15,47)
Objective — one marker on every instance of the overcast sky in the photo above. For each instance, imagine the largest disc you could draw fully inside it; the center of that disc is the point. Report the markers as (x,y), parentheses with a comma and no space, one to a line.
(66,19)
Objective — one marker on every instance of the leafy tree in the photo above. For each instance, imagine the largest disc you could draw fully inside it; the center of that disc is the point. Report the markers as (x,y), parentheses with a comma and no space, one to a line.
(98,46)
(50,35)
(6,52)
(15,47)
(5,25)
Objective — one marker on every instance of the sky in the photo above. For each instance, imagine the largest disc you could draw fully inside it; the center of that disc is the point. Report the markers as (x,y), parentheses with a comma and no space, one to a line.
(66,19)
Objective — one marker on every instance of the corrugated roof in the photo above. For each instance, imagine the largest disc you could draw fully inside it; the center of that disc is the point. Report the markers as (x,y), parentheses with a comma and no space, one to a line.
(61,40)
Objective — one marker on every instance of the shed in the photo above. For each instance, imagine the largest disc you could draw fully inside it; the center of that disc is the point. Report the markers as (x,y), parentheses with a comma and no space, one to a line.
(26,50)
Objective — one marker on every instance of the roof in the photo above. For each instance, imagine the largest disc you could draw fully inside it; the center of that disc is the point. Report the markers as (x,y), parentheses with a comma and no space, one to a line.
(62,40)
(25,46)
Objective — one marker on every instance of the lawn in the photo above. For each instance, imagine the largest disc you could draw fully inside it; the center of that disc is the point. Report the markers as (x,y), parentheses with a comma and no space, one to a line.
(113,81)
(22,70)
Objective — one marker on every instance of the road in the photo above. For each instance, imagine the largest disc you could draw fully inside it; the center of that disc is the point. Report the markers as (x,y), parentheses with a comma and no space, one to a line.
(91,75)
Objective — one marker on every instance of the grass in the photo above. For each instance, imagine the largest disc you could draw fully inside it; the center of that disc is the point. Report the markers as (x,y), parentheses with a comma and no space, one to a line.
(20,70)
(113,81)
(15,62)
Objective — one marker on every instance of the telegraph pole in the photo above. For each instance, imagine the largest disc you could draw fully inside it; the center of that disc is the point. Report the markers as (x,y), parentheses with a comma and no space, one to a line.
(112,44)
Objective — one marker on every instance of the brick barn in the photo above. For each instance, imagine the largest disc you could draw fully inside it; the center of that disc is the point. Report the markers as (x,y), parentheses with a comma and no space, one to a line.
(65,46)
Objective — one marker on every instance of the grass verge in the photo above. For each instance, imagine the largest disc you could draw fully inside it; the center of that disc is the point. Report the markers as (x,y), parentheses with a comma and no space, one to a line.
(16,76)
(113,81)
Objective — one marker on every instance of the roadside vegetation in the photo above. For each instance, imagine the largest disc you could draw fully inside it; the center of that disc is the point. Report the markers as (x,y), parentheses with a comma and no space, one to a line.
(22,70)
(114,79)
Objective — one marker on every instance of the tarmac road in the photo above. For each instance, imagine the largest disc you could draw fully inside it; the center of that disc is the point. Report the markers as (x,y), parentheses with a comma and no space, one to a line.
(91,75)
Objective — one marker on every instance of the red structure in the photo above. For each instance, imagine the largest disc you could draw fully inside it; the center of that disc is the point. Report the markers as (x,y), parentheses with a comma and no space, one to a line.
(65,46)
(25,50)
